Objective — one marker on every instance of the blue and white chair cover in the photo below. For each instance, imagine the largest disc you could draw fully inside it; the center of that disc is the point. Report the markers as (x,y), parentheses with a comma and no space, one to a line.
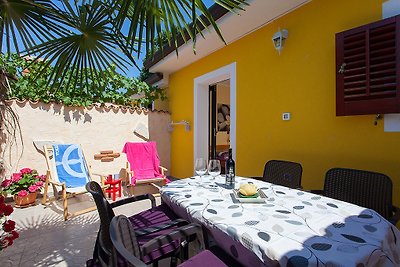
(70,167)
(67,168)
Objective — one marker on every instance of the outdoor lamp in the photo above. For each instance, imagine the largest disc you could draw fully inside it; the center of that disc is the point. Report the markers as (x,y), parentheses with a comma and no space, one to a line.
(279,39)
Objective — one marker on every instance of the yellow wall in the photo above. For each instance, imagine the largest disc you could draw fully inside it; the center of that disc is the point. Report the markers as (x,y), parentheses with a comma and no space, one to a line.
(302,81)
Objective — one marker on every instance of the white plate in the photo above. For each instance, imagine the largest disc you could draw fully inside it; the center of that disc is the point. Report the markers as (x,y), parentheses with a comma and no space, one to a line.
(260,199)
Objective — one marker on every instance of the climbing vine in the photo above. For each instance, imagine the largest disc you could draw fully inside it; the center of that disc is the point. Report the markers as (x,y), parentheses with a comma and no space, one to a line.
(110,87)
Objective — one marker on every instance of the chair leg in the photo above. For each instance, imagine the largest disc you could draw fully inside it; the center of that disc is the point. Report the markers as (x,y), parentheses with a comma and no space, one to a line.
(46,188)
(95,252)
(56,193)
(65,202)
(131,191)
(185,250)
(173,262)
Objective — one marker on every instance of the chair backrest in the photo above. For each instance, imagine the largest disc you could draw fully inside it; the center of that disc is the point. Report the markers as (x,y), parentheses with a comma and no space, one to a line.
(364,188)
(124,241)
(284,173)
(67,164)
(143,160)
(106,214)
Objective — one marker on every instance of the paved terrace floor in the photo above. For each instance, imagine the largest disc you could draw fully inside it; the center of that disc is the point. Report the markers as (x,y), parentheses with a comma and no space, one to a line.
(47,240)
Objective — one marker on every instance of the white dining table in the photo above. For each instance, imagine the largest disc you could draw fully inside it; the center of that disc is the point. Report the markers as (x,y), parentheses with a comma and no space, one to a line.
(287,227)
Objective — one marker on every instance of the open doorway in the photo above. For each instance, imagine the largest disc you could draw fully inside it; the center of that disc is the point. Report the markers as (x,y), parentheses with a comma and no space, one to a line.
(219,119)
(201,125)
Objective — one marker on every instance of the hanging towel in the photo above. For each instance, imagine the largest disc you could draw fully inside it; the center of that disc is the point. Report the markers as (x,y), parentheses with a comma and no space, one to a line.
(143,159)
(70,165)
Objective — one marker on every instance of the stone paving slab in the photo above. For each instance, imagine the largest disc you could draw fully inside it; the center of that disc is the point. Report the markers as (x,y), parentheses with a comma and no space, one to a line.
(47,240)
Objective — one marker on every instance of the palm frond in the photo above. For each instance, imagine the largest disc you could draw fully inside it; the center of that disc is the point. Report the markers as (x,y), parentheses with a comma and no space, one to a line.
(147,20)
(25,23)
(90,43)
(79,35)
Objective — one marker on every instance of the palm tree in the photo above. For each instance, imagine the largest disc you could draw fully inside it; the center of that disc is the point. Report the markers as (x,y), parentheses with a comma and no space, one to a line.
(79,36)
(91,34)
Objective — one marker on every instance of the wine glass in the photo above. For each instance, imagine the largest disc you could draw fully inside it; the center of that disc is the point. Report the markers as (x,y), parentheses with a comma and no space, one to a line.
(214,168)
(200,167)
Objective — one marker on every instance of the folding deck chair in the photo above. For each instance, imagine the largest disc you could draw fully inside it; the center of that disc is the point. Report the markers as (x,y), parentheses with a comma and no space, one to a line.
(67,168)
(143,167)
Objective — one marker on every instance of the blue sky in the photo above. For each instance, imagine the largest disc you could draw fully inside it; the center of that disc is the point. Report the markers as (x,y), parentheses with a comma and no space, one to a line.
(133,71)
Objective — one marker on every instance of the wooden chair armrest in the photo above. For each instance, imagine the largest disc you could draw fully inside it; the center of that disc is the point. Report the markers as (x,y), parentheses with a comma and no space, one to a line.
(56,183)
(102,177)
(163,169)
(149,180)
(156,186)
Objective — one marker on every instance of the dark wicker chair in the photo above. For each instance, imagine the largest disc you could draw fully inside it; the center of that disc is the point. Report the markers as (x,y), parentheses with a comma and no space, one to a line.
(283,172)
(126,245)
(364,188)
(148,225)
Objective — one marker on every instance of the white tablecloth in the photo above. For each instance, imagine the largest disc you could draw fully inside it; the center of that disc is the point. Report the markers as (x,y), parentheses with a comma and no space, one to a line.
(292,227)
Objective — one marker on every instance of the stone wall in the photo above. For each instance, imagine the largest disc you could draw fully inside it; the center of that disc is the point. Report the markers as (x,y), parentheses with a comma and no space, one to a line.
(95,128)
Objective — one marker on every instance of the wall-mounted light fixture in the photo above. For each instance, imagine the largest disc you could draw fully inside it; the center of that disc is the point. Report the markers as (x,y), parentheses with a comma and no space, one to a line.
(171,125)
(279,39)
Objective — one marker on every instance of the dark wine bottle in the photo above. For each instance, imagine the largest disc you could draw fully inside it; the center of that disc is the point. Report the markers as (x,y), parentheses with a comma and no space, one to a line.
(230,170)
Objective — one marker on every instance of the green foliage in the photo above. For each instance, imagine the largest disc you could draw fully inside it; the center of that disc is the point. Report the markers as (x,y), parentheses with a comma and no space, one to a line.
(76,36)
(160,41)
(109,86)
(144,74)
(26,180)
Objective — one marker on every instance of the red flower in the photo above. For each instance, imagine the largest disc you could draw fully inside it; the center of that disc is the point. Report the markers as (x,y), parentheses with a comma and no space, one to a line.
(8,226)
(14,234)
(16,177)
(8,209)
(9,240)
(5,243)
(25,171)
(5,183)
(2,209)
(27,180)
(2,199)
(22,193)
(33,188)
(39,183)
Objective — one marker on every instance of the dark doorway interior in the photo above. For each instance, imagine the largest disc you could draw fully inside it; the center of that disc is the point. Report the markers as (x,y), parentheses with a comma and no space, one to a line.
(219,121)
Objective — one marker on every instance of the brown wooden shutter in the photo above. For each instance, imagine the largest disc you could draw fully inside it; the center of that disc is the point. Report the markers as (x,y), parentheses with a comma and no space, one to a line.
(367,69)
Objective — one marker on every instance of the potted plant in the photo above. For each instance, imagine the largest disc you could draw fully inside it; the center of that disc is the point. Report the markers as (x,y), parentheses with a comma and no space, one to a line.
(24,186)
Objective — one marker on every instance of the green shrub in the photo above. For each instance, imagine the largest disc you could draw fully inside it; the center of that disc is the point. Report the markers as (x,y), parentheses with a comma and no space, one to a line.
(109,87)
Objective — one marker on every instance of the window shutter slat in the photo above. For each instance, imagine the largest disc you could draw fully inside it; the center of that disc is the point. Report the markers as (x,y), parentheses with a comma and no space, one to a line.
(367,69)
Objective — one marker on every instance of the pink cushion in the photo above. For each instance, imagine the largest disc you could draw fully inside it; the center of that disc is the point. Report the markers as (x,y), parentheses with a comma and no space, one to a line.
(204,258)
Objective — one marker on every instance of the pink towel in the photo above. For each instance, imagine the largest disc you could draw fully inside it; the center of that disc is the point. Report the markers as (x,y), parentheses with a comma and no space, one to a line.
(143,159)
